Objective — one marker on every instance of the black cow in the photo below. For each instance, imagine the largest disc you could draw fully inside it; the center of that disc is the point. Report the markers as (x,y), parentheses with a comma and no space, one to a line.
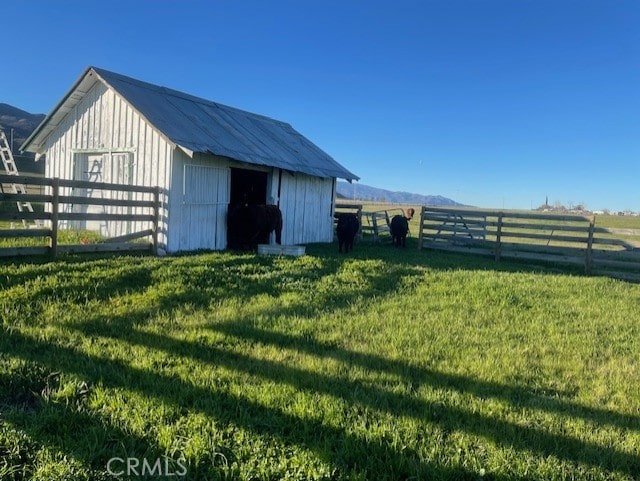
(399,227)
(250,225)
(347,229)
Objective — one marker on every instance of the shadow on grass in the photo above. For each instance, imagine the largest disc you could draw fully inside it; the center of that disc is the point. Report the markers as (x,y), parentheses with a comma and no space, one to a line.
(443,260)
(517,396)
(450,418)
(201,284)
(338,447)
(26,270)
(205,281)
(69,428)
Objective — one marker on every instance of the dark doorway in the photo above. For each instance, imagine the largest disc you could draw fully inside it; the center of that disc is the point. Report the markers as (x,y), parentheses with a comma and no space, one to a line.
(248,187)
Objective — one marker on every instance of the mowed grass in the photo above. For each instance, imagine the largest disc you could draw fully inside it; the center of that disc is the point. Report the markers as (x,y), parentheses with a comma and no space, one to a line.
(382,364)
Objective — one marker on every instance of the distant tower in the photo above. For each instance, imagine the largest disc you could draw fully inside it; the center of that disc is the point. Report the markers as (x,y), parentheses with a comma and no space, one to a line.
(546,201)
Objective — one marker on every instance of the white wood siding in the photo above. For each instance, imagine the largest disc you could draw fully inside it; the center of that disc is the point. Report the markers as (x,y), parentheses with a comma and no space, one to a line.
(111,168)
(205,198)
(306,203)
(103,123)
(200,202)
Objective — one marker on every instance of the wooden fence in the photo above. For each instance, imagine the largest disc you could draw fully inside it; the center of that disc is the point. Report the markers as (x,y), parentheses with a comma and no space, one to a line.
(60,205)
(572,239)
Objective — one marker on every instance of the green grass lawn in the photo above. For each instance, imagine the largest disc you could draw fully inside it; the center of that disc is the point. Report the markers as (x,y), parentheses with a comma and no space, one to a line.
(383,364)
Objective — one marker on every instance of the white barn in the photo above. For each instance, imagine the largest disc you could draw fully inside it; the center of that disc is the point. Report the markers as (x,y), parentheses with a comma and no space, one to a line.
(112,128)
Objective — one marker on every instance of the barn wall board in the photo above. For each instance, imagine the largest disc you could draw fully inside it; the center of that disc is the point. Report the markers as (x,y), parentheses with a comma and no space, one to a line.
(306,209)
(199,202)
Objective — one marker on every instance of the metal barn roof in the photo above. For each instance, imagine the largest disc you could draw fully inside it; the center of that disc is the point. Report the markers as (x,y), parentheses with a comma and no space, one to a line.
(198,125)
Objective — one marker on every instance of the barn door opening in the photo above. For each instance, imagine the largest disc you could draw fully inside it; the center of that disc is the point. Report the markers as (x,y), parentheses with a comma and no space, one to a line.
(248,187)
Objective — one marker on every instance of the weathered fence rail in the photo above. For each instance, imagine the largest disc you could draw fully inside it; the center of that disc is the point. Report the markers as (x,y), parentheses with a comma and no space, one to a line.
(572,239)
(62,200)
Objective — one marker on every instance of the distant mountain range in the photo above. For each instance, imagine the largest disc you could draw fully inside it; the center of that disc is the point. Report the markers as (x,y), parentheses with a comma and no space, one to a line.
(366,192)
(21,124)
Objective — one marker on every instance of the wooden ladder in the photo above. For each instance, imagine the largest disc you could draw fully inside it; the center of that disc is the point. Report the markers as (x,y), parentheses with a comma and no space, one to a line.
(11,168)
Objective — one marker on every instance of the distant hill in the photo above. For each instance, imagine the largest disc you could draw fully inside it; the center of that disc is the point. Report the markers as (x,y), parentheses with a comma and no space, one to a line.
(366,192)
(22,123)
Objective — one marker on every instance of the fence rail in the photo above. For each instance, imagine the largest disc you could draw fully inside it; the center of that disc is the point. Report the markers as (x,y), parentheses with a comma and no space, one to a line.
(55,212)
(573,239)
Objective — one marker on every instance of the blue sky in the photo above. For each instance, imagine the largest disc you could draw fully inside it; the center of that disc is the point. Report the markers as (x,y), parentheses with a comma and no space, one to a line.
(494,103)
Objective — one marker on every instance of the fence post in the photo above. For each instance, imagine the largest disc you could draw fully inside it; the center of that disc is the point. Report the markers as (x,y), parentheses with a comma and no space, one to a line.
(588,264)
(499,237)
(420,233)
(55,209)
(156,219)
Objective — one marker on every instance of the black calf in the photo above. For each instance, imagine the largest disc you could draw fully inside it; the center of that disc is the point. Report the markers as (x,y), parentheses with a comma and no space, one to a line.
(347,229)
(399,227)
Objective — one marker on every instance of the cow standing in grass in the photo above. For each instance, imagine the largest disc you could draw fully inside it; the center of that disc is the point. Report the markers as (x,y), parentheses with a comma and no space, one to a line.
(347,229)
(399,227)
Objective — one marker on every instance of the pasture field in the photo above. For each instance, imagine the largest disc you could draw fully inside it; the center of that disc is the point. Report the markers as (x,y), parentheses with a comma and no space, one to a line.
(618,221)
(384,364)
